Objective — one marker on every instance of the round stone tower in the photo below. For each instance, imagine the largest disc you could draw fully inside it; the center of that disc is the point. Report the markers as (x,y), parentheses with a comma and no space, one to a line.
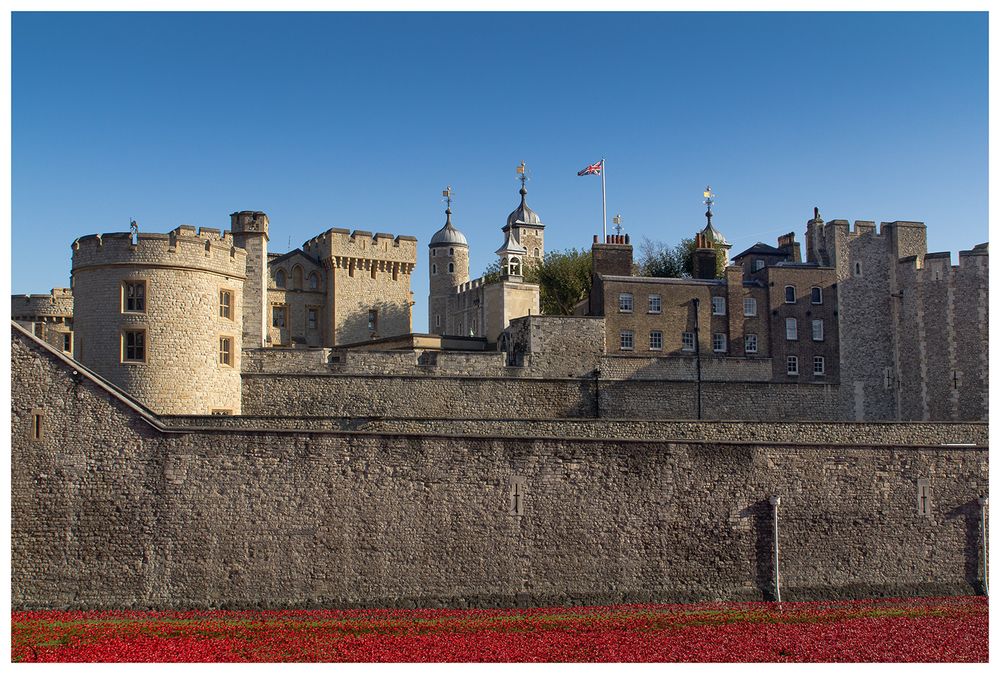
(448,266)
(161,316)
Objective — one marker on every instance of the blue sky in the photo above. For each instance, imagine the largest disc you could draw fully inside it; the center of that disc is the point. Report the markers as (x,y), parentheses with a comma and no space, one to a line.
(359,121)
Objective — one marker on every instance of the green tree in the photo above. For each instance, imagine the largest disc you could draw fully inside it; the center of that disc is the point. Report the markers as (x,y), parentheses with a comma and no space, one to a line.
(660,260)
(563,278)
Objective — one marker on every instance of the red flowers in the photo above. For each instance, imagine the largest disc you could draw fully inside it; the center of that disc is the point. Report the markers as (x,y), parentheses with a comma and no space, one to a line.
(911,630)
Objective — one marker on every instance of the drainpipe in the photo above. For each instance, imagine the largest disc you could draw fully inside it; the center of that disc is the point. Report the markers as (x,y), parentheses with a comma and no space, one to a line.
(984,501)
(697,353)
(775,502)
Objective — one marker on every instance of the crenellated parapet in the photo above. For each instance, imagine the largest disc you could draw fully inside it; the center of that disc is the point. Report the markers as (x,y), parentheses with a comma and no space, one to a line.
(204,249)
(57,304)
(343,249)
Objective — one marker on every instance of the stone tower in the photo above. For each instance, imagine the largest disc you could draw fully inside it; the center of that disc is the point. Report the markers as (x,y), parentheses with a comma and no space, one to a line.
(161,316)
(448,266)
(527,230)
(249,230)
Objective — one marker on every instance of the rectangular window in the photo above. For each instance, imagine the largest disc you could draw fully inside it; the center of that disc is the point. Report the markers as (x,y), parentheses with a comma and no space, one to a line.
(39,329)
(373,319)
(923,497)
(791,329)
(226,304)
(819,366)
(789,294)
(627,340)
(226,351)
(654,304)
(718,306)
(134,296)
(750,343)
(818,330)
(687,341)
(278,316)
(134,346)
(719,342)
(749,306)
(655,340)
(68,342)
(817,296)
(437,320)
(625,302)
(792,363)
(758,265)
(37,430)
(311,319)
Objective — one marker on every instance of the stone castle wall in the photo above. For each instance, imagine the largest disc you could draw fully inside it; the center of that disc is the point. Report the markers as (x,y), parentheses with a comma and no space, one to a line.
(184,272)
(112,510)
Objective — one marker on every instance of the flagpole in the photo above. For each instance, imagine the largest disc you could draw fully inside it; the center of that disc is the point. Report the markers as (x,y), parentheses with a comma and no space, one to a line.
(604,200)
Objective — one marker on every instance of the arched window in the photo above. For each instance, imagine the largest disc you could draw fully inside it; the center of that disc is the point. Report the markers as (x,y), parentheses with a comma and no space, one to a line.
(434,269)
(297,277)
(451,267)
(535,253)
(279,278)
(313,281)
(451,251)
(514,266)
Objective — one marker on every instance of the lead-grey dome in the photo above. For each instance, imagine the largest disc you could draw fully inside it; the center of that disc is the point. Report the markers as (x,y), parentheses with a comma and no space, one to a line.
(448,235)
(522,215)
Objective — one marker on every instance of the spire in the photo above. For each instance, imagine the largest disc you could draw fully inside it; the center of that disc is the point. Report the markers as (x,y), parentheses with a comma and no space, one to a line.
(709,200)
(446,193)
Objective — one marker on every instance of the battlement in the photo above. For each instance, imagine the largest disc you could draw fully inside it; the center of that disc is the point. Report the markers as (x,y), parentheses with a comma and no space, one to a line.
(470,285)
(360,244)
(57,303)
(936,265)
(868,226)
(206,248)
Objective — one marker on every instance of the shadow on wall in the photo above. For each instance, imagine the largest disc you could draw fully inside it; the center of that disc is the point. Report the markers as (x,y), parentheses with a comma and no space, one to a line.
(762,516)
(381,319)
(969,511)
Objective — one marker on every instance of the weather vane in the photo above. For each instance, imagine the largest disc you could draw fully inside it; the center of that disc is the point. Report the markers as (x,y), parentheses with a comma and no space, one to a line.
(446,193)
(522,173)
(709,198)
(618,223)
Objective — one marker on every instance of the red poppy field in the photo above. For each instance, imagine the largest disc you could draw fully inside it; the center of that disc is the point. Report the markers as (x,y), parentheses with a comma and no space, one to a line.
(952,629)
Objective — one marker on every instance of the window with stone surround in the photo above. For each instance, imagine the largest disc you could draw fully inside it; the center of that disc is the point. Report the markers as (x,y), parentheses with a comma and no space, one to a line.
(625,303)
(451,267)
(68,342)
(655,340)
(37,430)
(313,281)
(627,340)
(226,351)
(816,295)
(312,318)
(791,329)
(279,278)
(134,346)
(819,366)
(373,319)
(655,304)
(278,315)
(134,297)
(687,341)
(857,269)
(789,294)
(718,306)
(297,277)
(792,365)
(226,304)
(749,306)
(817,330)
(434,269)
(719,342)
(750,343)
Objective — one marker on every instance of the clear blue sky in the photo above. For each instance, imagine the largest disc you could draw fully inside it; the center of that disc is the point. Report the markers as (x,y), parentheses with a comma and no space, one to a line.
(359,121)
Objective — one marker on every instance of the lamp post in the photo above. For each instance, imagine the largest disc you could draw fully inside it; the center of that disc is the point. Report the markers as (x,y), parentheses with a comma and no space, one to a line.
(775,502)
(697,353)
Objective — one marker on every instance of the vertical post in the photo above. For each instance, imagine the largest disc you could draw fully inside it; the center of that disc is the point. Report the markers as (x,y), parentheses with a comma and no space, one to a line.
(604,200)
(775,502)
(697,354)
(983,503)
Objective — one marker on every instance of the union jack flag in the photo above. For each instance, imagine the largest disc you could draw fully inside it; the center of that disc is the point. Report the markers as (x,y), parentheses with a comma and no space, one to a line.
(593,169)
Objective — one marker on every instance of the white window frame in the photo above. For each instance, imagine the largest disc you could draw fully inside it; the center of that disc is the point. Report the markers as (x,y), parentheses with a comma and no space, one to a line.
(794,295)
(719,342)
(819,371)
(750,343)
(817,330)
(792,366)
(658,302)
(658,335)
(791,329)
(749,306)
(718,305)
(687,337)
(625,303)
(626,340)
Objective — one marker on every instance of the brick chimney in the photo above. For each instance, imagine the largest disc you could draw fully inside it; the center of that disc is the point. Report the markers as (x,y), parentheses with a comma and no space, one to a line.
(614,256)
